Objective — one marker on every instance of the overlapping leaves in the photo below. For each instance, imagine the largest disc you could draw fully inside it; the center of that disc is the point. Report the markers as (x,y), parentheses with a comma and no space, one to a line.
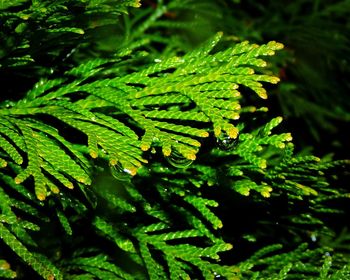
(157,101)
(117,109)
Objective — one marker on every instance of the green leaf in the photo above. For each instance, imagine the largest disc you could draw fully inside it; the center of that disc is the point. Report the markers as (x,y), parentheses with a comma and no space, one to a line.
(41,268)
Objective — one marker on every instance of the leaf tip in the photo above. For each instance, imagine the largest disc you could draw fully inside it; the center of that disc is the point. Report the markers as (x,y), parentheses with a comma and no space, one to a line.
(41,196)
(18,180)
(145,147)
(190,156)
(266,194)
(93,154)
(263,164)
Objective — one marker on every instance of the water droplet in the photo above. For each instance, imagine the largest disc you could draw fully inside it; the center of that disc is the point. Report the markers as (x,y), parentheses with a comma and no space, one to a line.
(313,237)
(226,143)
(157,60)
(120,173)
(127,171)
(177,160)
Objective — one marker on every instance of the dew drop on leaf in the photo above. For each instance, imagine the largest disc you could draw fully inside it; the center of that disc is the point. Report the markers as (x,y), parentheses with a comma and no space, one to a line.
(226,143)
(177,160)
(313,237)
(120,173)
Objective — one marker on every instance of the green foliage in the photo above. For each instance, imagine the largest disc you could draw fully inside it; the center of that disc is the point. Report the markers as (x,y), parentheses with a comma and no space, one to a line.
(301,263)
(5,270)
(108,157)
(136,97)
(313,91)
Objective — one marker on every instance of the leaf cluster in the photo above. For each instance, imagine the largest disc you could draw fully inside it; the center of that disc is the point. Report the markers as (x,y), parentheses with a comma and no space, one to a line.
(143,114)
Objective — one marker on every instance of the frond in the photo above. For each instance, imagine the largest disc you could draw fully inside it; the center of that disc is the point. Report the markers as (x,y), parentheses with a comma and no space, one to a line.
(177,256)
(96,267)
(119,159)
(45,270)
(136,98)
(318,266)
(5,270)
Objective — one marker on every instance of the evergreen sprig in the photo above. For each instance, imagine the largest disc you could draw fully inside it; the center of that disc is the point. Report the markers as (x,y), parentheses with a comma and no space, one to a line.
(86,113)
(136,99)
